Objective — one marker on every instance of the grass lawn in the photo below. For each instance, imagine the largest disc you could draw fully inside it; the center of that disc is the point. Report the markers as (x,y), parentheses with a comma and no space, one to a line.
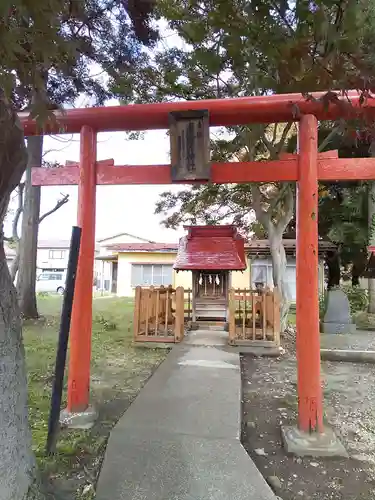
(292,318)
(118,371)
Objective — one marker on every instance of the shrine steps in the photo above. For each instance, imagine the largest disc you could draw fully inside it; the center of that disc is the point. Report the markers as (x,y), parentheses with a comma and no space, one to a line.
(210,325)
(214,310)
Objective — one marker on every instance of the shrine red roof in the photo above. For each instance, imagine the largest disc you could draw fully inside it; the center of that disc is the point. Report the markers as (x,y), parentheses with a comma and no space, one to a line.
(211,247)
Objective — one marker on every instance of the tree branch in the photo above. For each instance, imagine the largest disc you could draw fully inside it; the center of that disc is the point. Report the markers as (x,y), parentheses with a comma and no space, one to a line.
(328,139)
(288,210)
(284,136)
(283,18)
(262,216)
(276,148)
(59,204)
(18,213)
(279,196)
(271,147)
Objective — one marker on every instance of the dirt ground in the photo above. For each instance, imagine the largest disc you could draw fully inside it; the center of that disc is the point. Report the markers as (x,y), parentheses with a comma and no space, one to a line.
(269,400)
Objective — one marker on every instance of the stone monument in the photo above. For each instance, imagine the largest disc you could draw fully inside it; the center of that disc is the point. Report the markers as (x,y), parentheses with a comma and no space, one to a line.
(337,318)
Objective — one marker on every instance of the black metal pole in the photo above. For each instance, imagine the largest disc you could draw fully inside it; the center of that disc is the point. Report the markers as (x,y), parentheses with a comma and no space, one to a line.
(62,347)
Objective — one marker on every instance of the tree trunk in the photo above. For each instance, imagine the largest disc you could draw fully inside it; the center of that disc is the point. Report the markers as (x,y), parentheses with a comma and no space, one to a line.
(371,232)
(15,264)
(275,233)
(29,236)
(17,464)
(278,258)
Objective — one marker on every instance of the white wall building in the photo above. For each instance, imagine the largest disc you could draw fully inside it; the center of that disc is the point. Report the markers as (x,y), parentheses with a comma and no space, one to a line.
(106,265)
(52,255)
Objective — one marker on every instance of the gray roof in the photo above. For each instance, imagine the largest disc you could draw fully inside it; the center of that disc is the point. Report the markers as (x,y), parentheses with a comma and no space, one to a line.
(125,234)
(64,244)
(58,244)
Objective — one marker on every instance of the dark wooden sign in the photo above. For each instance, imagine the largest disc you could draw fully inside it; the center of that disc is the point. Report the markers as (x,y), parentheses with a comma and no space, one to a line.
(190,145)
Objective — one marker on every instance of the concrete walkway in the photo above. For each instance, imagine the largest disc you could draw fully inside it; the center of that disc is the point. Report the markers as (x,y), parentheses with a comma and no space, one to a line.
(180,439)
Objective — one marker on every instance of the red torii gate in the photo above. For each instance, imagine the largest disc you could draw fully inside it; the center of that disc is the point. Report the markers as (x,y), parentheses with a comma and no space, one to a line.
(305,168)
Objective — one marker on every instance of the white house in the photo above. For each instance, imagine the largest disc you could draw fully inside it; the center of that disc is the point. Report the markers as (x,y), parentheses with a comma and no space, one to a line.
(52,255)
(106,266)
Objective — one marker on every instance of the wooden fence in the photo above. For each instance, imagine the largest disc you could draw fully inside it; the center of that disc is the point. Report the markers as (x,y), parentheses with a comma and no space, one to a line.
(254,317)
(188,305)
(159,314)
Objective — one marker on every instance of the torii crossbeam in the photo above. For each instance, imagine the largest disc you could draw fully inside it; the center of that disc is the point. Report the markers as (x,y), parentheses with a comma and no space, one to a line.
(305,169)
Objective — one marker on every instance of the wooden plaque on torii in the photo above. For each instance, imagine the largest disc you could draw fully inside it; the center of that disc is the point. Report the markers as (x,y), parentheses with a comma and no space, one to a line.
(190,146)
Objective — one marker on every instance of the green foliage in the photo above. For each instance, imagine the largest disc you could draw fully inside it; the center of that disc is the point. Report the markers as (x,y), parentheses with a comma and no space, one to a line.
(322,305)
(47,48)
(238,48)
(358,298)
(235,49)
(343,206)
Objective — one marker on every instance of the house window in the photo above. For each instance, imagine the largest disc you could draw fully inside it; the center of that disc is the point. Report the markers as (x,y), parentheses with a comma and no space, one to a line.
(56,254)
(151,275)
(261,272)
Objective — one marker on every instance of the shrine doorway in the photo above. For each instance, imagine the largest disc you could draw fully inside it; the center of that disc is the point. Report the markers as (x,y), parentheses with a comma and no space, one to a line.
(211,285)
(210,295)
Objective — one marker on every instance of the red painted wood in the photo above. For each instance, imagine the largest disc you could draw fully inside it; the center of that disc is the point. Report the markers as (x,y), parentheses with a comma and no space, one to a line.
(81,325)
(104,163)
(59,176)
(211,247)
(134,174)
(310,406)
(347,169)
(328,154)
(236,111)
(160,174)
(242,172)
(321,156)
(329,169)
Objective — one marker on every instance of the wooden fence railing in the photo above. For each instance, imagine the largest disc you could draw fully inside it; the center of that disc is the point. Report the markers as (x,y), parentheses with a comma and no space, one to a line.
(254,317)
(159,314)
(188,301)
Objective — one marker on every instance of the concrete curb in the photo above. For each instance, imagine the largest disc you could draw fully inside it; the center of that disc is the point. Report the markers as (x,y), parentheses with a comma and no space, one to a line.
(349,356)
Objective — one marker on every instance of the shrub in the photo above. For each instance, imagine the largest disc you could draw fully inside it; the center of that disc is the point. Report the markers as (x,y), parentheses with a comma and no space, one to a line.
(358,298)
(322,305)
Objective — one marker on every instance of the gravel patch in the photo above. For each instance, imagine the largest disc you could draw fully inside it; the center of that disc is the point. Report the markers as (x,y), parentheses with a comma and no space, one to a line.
(269,400)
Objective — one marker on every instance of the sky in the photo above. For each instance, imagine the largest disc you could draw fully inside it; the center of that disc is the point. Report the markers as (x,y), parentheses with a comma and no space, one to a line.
(119,209)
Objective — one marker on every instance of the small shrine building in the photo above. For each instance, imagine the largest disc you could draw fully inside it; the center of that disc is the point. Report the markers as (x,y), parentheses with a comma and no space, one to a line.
(211,253)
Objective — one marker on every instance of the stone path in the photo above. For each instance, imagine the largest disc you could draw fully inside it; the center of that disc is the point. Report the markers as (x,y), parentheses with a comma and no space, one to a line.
(180,439)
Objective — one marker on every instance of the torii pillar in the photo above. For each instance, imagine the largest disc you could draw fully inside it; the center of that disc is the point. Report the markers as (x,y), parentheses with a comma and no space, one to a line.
(78,413)
(310,437)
